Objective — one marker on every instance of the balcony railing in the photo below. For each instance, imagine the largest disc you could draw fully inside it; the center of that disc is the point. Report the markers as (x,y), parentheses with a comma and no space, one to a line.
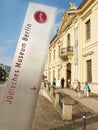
(66,51)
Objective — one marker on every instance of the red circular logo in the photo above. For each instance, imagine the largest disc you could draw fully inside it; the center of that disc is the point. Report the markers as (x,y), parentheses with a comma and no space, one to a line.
(40,17)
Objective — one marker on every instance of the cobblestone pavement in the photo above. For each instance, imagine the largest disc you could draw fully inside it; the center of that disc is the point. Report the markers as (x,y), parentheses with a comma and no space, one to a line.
(47,118)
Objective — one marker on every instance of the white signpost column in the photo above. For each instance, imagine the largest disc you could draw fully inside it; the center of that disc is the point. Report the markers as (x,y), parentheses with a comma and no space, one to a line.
(18,106)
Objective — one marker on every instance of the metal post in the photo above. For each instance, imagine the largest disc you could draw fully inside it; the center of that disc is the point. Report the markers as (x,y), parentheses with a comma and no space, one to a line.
(84,121)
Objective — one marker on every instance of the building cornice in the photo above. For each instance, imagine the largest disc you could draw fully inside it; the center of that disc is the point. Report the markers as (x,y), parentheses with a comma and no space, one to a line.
(88,53)
(84,5)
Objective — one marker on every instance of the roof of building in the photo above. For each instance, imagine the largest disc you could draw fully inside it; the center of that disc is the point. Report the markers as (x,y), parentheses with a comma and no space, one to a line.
(83,3)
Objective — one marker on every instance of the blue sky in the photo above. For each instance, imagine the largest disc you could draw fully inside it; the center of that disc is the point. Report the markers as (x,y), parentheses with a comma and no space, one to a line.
(12,14)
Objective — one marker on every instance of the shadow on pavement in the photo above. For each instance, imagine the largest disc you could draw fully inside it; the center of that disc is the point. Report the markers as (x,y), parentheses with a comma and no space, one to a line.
(79,125)
(47,118)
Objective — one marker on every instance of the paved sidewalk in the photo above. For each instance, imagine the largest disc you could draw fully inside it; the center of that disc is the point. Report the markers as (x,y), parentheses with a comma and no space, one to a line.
(89,102)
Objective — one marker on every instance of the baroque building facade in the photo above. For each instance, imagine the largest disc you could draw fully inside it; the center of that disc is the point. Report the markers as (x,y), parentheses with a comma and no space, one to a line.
(73,52)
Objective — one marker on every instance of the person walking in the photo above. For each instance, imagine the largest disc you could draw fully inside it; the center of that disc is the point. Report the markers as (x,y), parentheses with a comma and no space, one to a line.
(54,81)
(86,90)
(62,82)
(78,90)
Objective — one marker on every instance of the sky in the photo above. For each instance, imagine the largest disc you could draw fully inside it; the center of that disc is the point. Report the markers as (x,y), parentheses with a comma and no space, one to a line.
(12,15)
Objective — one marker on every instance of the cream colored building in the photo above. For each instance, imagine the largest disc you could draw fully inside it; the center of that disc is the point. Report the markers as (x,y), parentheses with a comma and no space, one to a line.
(73,52)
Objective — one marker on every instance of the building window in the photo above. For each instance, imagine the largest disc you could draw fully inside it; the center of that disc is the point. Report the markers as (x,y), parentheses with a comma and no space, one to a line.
(59,50)
(68,40)
(54,55)
(88,30)
(53,73)
(49,77)
(58,74)
(89,71)
(49,57)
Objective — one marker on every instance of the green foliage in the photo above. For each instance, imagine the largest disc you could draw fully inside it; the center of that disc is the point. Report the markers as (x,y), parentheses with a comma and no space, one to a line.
(2,74)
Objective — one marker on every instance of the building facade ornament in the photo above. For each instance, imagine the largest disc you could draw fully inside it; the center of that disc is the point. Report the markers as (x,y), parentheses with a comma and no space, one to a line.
(72,6)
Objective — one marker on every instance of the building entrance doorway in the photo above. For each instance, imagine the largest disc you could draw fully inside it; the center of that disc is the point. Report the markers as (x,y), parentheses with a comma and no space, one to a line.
(68,75)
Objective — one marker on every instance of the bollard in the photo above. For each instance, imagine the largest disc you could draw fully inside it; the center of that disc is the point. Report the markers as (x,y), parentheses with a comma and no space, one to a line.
(84,121)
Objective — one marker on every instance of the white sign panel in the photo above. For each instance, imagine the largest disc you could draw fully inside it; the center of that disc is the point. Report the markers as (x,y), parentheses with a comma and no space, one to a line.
(18,106)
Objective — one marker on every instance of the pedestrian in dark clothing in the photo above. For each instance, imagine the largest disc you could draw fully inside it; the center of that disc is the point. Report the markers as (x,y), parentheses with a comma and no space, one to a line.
(62,82)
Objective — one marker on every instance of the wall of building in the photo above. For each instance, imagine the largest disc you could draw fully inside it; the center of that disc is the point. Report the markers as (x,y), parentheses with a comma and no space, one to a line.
(83,49)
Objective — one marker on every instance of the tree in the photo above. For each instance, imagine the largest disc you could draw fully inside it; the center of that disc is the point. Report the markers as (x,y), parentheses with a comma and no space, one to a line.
(2,74)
